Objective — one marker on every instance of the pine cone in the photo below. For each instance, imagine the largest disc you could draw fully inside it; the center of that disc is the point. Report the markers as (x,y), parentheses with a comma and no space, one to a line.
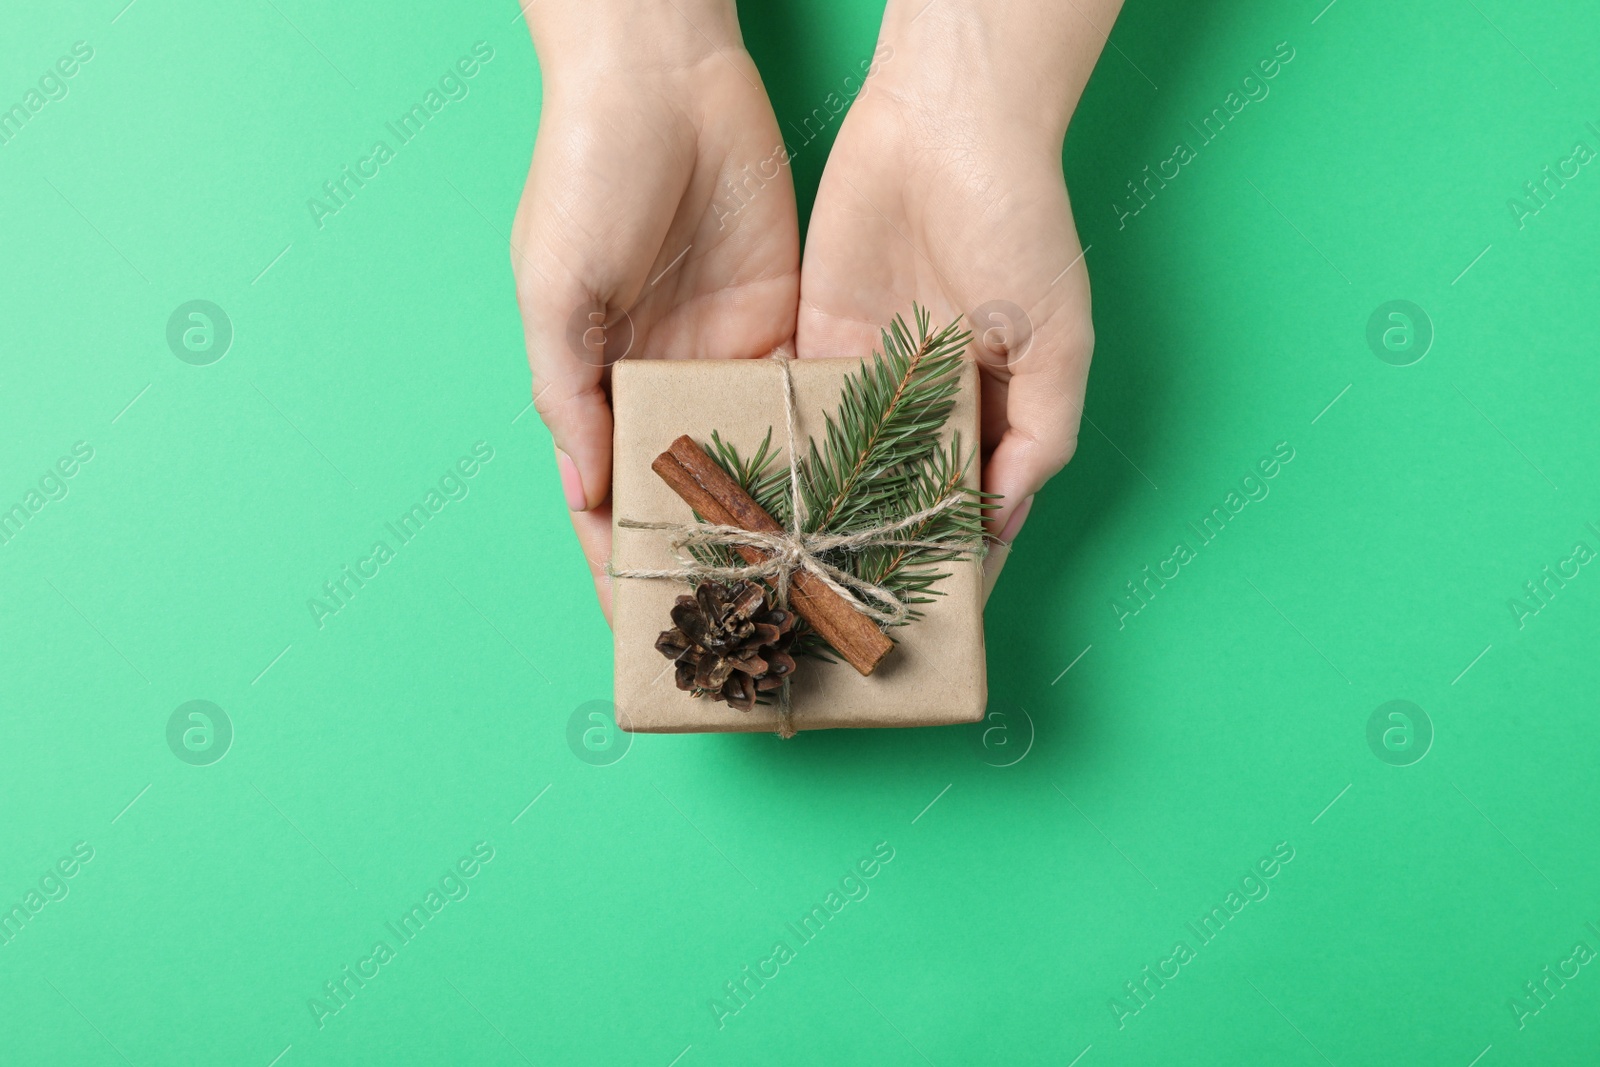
(729,643)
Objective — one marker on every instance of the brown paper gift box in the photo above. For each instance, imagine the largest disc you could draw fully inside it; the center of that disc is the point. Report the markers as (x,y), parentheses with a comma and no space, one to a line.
(936,673)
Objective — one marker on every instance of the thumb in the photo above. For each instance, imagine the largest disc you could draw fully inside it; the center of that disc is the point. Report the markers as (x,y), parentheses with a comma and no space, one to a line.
(573,405)
(1044,404)
(572,337)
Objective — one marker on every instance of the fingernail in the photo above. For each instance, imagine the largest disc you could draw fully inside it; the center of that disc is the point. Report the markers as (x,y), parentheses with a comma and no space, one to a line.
(1018,517)
(571,482)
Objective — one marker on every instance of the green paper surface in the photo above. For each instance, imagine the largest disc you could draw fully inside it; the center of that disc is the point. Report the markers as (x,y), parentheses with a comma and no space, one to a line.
(595,897)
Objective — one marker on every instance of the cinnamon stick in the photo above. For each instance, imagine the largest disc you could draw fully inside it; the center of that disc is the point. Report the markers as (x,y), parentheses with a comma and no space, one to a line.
(707,489)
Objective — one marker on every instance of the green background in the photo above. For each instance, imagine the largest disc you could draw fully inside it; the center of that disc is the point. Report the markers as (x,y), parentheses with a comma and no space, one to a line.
(1185,743)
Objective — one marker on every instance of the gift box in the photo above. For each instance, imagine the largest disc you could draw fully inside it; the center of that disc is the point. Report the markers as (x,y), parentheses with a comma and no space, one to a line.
(935,672)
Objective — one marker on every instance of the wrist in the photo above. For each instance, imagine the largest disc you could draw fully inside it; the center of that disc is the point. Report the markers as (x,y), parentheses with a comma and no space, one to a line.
(605,36)
(1017,61)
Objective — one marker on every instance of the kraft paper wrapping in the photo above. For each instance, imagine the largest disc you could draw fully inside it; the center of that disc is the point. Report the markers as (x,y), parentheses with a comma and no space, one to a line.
(936,673)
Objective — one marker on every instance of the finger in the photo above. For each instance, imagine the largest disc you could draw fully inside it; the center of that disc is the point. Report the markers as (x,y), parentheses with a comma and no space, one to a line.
(579,418)
(593,528)
(1044,403)
(570,340)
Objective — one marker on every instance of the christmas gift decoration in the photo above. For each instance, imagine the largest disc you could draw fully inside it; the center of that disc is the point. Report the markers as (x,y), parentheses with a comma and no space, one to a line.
(829,579)
(728,640)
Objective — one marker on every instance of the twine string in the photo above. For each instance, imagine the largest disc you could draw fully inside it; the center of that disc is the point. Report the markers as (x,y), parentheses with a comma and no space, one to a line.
(788,552)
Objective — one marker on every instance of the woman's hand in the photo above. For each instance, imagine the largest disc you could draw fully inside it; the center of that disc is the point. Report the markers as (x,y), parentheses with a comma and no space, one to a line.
(945,187)
(658,220)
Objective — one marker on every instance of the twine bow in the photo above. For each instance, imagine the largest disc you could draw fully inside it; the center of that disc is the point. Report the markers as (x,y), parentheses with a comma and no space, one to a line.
(796,549)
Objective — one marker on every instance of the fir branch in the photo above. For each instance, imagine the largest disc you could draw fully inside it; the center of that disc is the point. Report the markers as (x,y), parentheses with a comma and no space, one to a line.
(881,461)
(889,416)
(911,572)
